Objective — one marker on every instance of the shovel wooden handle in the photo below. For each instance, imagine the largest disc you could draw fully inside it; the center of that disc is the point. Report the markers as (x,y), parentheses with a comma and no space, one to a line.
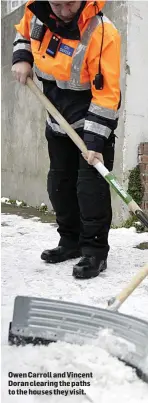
(57,116)
(115,303)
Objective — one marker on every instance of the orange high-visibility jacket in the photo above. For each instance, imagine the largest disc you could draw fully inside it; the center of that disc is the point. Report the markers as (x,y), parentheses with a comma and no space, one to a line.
(66,59)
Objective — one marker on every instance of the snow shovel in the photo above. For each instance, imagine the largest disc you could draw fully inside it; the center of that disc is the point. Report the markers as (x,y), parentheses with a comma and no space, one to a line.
(108,176)
(41,321)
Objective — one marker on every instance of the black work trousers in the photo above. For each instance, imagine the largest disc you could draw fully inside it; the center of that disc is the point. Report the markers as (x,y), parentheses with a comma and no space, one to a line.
(79,195)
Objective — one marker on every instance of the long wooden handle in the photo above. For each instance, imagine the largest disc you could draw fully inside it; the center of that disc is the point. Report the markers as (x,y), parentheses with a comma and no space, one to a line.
(108,176)
(115,302)
(57,116)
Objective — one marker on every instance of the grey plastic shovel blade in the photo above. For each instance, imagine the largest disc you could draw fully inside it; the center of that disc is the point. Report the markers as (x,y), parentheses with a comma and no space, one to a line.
(38,320)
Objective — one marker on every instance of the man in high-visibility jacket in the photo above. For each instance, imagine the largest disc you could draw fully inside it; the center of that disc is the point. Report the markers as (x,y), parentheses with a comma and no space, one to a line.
(75,50)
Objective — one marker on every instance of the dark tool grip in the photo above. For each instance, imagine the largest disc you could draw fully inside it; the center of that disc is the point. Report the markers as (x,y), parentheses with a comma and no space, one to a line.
(142,217)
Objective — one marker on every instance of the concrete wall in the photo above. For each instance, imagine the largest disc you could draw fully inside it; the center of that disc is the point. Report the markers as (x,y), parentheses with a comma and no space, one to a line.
(117,12)
(24,149)
(136,96)
(3,8)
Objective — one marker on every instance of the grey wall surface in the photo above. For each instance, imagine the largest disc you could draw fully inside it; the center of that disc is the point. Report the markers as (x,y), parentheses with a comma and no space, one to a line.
(117,12)
(24,150)
(25,160)
(3,8)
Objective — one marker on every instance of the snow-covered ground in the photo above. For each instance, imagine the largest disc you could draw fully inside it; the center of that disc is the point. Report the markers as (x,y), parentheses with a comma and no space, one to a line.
(23,273)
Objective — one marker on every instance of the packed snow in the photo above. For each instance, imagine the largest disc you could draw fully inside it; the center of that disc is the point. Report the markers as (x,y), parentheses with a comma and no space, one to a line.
(23,273)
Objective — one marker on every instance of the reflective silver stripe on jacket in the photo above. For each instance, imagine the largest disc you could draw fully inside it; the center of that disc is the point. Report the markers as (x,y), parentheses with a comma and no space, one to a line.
(42,75)
(73,85)
(74,82)
(104,112)
(21,45)
(56,128)
(97,128)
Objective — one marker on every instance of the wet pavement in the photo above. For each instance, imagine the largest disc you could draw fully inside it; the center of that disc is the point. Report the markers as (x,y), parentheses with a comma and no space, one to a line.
(28,212)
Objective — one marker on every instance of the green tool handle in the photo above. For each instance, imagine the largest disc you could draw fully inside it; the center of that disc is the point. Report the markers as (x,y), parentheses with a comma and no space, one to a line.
(109,177)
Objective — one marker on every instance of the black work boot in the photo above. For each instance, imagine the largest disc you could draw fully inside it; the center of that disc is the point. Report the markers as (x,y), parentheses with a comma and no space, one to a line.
(59,254)
(89,266)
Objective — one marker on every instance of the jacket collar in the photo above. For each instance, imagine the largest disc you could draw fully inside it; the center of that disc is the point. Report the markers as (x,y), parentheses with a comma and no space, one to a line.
(43,11)
(45,14)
